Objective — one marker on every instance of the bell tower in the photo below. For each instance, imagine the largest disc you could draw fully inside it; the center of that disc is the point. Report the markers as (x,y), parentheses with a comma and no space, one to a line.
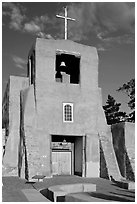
(65,81)
(65,63)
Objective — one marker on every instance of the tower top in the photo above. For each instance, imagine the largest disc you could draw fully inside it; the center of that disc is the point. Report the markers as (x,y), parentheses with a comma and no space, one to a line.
(66,19)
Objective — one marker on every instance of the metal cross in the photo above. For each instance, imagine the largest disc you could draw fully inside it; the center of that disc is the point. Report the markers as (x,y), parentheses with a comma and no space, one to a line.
(66,18)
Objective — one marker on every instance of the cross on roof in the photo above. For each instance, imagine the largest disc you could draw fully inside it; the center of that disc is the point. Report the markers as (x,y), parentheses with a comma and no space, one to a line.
(66,18)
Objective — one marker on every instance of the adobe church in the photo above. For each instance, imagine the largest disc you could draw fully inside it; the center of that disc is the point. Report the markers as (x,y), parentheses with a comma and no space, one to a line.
(54,115)
(53,118)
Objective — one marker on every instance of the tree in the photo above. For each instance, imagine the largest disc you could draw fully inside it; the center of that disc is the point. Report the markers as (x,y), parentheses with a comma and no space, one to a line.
(112,112)
(129,89)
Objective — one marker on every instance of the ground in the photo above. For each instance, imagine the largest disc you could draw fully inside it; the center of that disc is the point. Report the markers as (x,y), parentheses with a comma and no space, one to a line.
(106,190)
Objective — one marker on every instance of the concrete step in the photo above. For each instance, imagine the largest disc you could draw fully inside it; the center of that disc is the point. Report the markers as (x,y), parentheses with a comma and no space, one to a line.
(125,184)
(58,192)
(34,196)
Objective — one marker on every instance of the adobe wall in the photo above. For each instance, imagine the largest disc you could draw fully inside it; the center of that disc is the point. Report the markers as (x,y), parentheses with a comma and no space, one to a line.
(118,135)
(130,148)
(44,117)
(27,132)
(46,55)
(36,158)
(10,160)
(5,110)
(108,161)
(124,145)
(50,99)
(84,96)
(41,115)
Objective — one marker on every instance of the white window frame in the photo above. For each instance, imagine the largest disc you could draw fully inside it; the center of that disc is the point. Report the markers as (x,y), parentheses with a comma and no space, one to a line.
(67,121)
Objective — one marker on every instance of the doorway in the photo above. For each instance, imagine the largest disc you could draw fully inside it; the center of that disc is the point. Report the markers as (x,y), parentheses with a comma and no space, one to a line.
(61,163)
(67,155)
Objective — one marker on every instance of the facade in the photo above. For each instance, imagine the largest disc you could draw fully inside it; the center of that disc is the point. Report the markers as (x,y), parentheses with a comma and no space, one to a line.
(53,118)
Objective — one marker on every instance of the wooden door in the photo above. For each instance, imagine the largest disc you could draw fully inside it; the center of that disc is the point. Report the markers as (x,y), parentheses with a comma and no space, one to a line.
(61,162)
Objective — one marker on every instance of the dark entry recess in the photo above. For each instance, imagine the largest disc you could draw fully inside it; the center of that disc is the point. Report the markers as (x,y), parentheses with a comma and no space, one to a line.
(76,151)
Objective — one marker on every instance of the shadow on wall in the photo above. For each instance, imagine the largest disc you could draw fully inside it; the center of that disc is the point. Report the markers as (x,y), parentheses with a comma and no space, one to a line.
(129,171)
(118,136)
(119,146)
(22,145)
(103,166)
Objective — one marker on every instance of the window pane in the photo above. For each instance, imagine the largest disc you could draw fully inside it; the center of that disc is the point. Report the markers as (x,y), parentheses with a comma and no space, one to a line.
(68,112)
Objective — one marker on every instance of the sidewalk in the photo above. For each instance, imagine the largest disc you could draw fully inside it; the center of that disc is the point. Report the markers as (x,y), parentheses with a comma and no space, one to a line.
(18,190)
(106,190)
(11,190)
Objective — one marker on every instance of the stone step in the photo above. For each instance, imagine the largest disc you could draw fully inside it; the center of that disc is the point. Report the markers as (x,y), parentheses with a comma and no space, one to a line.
(56,192)
(34,196)
(125,184)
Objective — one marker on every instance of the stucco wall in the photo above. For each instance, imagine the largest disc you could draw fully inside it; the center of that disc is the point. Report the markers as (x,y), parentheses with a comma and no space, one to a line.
(46,54)
(11,154)
(51,95)
(5,110)
(43,108)
(37,143)
(109,154)
(118,135)
(124,145)
(130,148)
(103,165)
(28,123)
(43,105)
(92,155)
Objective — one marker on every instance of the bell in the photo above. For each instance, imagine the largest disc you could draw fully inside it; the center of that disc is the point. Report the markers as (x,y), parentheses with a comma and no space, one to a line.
(62,64)
(64,141)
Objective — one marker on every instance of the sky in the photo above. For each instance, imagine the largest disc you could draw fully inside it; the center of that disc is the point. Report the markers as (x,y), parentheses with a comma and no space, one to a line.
(108,26)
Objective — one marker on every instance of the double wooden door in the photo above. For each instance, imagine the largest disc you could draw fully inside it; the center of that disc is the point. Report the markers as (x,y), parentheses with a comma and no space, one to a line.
(61,162)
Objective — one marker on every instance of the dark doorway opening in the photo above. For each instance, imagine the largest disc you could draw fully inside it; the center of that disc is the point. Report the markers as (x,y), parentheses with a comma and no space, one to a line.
(68,148)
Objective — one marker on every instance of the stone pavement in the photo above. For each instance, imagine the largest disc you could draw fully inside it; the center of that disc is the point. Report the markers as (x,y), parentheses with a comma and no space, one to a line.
(106,190)
(18,190)
(34,196)
(11,190)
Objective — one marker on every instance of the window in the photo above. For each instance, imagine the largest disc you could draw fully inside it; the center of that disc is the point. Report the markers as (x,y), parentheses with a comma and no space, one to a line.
(67,67)
(67,112)
(31,68)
